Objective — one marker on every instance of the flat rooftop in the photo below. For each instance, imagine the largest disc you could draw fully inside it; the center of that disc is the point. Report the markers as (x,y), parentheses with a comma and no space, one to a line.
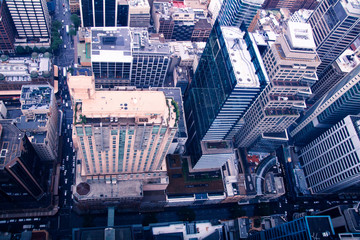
(142,44)
(102,190)
(36,97)
(216,147)
(240,57)
(110,44)
(300,35)
(125,104)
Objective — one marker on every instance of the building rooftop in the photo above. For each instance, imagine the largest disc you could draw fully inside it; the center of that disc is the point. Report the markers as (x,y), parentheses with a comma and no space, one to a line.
(141,43)
(319,225)
(300,35)
(19,69)
(240,57)
(352,6)
(125,104)
(195,230)
(347,61)
(36,97)
(10,142)
(110,43)
(217,147)
(99,189)
(138,3)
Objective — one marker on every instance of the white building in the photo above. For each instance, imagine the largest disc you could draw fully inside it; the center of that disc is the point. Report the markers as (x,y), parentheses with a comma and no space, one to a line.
(332,161)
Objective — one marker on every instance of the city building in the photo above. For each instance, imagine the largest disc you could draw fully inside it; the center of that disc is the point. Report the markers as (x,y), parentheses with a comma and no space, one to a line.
(3,110)
(127,57)
(7,30)
(139,13)
(31,18)
(18,71)
(122,138)
(292,5)
(340,101)
(102,13)
(23,177)
(214,9)
(180,22)
(291,64)
(345,218)
(335,26)
(302,15)
(229,77)
(234,12)
(40,120)
(306,228)
(74,6)
(330,162)
(334,74)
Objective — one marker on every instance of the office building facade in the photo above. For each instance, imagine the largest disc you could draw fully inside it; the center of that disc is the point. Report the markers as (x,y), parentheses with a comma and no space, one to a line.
(234,12)
(342,100)
(291,64)
(292,5)
(23,181)
(331,162)
(126,57)
(40,120)
(120,132)
(305,228)
(31,18)
(7,30)
(226,82)
(99,13)
(335,25)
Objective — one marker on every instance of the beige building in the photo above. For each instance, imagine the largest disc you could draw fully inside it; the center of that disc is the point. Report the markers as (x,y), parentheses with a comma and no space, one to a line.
(120,132)
(40,119)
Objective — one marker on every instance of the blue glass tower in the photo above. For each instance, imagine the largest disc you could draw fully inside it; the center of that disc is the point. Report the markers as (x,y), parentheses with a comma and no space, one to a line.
(234,12)
(229,77)
(306,228)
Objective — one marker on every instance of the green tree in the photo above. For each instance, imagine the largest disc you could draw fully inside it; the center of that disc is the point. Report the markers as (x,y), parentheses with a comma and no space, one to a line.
(186,214)
(28,49)
(20,50)
(42,50)
(36,49)
(75,20)
(56,25)
(72,32)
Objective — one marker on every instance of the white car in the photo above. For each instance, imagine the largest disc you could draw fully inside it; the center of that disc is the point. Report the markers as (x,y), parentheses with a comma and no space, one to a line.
(68,139)
(65,180)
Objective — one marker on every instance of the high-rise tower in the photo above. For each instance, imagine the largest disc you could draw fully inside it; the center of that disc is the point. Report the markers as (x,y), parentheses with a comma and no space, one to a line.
(7,30)
(229,77)
(291,64)
(331,162)
(120,132)
(31,18)
(335,25)
(234,12)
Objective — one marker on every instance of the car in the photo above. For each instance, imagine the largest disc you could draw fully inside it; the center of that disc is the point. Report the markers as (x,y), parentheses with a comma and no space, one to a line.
(66,104)
(73,170)
(70,144)
(316,202)
(67,158)
(64,45)
(66,180)
(279,204)
(306,202)
(65,172)
(61,37)
(68,139)
(63,6)
(65,192)
(64,13)
(286,201)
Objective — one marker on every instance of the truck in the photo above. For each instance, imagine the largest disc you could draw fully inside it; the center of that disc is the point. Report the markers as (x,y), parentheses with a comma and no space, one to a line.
(67,29)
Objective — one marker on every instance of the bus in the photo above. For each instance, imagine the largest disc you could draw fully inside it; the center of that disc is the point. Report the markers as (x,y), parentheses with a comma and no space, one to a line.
(64,71)
(67,29)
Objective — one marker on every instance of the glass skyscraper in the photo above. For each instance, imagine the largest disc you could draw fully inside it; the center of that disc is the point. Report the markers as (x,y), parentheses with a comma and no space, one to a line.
(229,77)
(234,12)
